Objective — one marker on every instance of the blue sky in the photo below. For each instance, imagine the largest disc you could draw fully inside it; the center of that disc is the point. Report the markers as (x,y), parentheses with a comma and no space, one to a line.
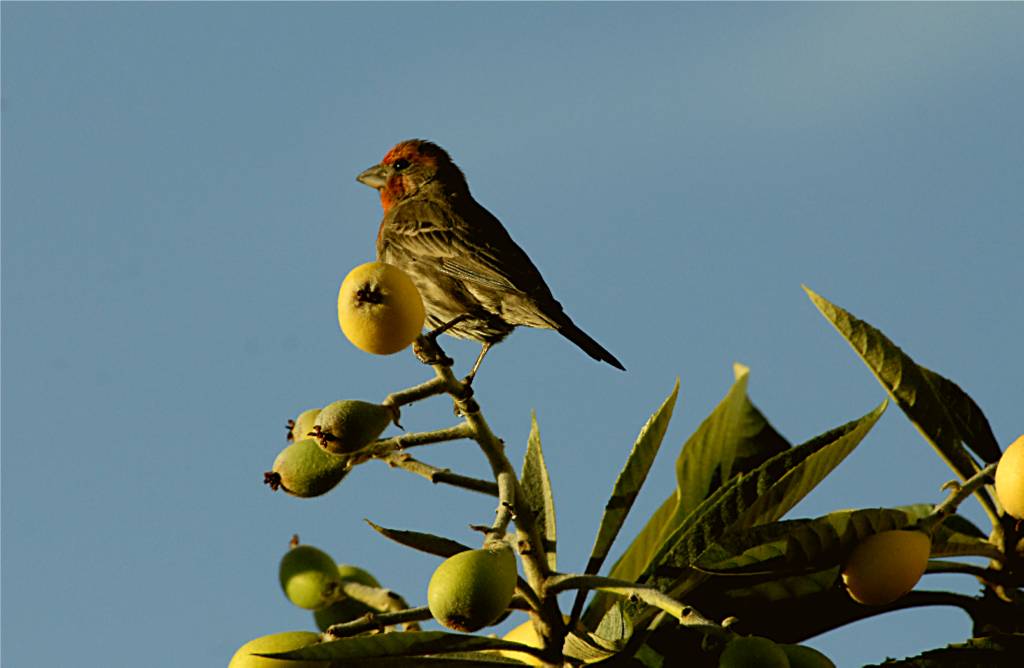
(179,208)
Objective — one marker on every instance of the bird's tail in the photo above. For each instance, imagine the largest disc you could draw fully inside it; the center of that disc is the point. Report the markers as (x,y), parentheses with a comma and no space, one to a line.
(589,345)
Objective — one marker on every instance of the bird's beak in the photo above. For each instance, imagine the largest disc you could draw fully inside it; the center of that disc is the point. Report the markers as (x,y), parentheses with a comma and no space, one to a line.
(375,176)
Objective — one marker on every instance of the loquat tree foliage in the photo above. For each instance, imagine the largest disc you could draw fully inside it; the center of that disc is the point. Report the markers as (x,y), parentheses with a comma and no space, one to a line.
(716,576)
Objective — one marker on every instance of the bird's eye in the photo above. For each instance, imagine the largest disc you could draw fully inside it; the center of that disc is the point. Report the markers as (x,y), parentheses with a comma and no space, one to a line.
(400,164)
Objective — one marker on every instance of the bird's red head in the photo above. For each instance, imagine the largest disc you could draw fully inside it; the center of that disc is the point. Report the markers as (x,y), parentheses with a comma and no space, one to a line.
(409,167)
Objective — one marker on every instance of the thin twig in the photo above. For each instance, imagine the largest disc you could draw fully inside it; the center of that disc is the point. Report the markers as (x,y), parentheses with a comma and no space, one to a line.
(435,475)
(961,492)
(378,622)
(387,446)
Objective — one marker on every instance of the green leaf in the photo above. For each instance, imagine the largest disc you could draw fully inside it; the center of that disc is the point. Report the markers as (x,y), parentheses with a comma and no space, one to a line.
(734,437)
(758,497)
(940,410)
(424,542)
(636,557)
(630,480)
(627,487)
(782,588)
(792,546)
(971,423)
(801,557)
(464,660)
(608,638)
(403,644)
(537,487)
(984,652)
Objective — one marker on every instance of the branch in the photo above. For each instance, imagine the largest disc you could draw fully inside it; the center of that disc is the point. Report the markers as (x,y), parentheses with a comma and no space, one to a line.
(378,622)
(686,615)
(960,493)
(387,446)
(986,575)
(548,620)
(436,475)
(431,388)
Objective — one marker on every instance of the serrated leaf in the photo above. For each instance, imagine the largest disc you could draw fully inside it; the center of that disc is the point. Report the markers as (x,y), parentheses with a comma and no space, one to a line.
(627,486)
(799,545)
(784,588)
(735,437)
(466,660)
(987,652)
(424,542)
(921,394)
(636,557)
(403,644)
(536,486)
(801,557)
(971,423)
(630,480)
(759,497)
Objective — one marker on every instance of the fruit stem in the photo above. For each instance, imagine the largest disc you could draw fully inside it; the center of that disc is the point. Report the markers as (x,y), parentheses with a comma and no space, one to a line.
(435,475)
(388,446)
(378,622)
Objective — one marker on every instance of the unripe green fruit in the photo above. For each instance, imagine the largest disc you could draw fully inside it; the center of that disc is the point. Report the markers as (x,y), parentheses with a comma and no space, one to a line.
(1010,479)
(753,652)
(304,469)
(886,565)
(303,425)
(309,577)
(472,589)
(801,656)
(346,609)
(276,642)
(346,426)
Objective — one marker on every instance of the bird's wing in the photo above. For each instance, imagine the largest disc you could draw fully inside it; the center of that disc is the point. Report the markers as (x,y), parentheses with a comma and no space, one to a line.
(480,251)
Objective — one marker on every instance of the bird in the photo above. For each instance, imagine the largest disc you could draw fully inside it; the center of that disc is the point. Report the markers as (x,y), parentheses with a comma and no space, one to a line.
(476,282)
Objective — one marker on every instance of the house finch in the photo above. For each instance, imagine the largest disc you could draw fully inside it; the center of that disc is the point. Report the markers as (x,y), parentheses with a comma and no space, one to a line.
(473,277)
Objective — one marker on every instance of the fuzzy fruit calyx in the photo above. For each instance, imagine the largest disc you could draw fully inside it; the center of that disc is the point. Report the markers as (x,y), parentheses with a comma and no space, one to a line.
(348,425)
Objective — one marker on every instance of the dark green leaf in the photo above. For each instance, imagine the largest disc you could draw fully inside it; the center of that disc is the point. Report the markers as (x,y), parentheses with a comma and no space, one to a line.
(971,424)
(636,557)
(424,542)
(537,487)
(466,660)
(920,393)
(802,557)
(735,437)
(799,545)
(759,497)
(630,479)
(402,644)
(627,487)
